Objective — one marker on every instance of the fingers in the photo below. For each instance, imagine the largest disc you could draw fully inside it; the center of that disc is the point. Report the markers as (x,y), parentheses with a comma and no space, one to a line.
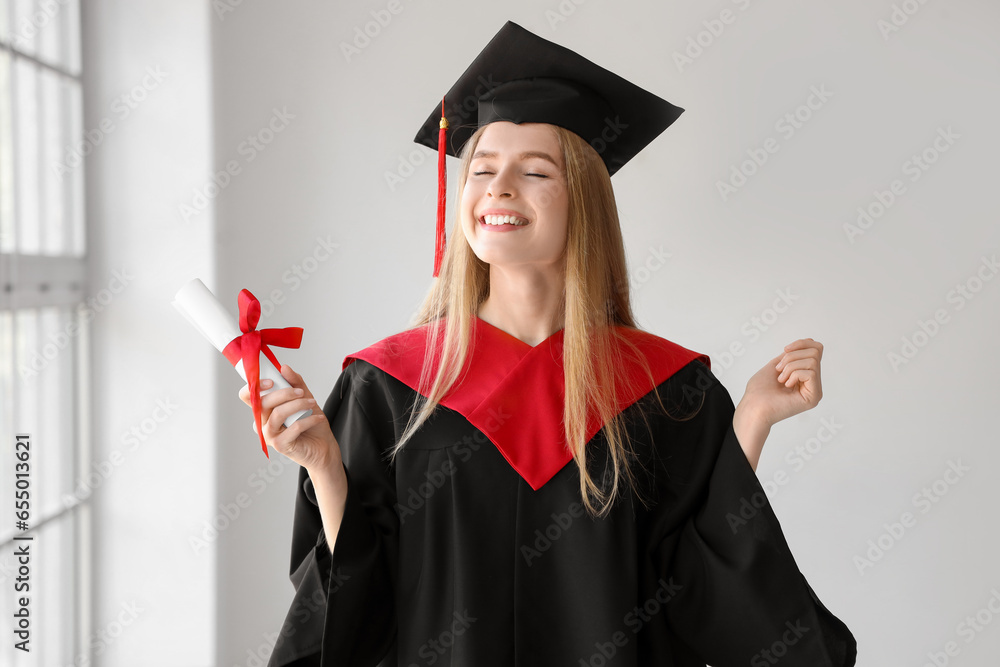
(808,353)
(245,390)
(273,421)
(271,399)
(293,378)
(279,396)
(798,375)
(278,405)
(285,441)
(801,364)
(803,376)
(807,383)
(282,412)
(803,343)
(797,364)
(810,350)
(788,365)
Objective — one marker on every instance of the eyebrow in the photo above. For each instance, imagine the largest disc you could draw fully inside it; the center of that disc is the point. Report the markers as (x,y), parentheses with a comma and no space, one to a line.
(524,156)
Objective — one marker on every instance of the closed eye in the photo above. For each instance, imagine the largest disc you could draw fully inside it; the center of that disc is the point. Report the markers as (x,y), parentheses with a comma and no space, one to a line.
(480,173)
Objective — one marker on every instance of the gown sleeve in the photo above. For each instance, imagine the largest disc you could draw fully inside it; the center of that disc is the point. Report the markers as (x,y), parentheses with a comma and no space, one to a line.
(343,611)
(740,597)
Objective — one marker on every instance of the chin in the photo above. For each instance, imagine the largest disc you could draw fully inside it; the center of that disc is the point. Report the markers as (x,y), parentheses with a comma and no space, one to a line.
(491,255)
(487,257)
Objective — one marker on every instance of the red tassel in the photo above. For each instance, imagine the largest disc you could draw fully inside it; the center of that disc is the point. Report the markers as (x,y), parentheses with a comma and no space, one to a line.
(442,189)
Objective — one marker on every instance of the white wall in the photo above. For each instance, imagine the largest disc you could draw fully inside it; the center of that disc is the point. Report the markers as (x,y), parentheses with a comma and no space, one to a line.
(154,595)
(323,175)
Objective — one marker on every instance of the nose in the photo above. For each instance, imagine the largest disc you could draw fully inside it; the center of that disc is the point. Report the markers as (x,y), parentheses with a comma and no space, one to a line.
(501,185)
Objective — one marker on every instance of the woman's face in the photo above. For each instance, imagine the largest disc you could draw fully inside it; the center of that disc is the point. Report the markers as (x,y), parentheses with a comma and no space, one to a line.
(517,170)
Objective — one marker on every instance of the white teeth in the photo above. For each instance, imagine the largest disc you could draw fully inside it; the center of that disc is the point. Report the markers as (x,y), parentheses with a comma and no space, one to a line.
(504,220)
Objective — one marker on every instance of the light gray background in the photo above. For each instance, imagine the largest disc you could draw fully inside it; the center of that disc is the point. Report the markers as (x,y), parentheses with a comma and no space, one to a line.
(324,176)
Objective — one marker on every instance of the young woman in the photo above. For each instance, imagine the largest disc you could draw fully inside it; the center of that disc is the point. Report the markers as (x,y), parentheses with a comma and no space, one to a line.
(525,477)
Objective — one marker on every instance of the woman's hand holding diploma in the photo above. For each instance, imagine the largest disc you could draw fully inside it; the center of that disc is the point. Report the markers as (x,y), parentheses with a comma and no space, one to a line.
(308,442)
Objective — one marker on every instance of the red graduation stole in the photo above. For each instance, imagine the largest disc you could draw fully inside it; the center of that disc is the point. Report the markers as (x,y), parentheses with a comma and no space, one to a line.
(514,392)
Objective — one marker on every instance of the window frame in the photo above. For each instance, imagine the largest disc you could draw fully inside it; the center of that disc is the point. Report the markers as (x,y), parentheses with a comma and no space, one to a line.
(39,287)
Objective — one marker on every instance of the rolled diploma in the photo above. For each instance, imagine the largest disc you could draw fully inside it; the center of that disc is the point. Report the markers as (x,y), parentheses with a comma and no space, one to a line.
(200,307)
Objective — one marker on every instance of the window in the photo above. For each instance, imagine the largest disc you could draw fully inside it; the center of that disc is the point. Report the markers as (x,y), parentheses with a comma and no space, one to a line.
(43,325)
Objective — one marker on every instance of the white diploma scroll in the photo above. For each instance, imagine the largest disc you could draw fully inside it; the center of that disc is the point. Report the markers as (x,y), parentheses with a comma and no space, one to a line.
(200,307)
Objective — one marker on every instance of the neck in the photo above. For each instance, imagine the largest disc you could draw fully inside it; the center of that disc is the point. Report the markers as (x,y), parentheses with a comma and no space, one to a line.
(527,305)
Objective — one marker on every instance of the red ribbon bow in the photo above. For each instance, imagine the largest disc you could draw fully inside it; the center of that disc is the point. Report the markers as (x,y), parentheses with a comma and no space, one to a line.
(248,346)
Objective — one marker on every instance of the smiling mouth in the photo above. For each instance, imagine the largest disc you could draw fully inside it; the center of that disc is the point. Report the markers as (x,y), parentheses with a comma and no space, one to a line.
(498,220)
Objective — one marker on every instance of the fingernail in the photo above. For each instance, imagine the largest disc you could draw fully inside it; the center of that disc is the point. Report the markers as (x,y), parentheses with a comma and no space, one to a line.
(298,391)
(265,383)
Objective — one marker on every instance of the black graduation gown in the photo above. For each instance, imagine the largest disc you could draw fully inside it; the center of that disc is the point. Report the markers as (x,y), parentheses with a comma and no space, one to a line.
(451,556)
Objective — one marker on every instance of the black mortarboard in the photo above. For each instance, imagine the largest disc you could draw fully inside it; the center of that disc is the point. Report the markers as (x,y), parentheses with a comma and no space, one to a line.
(523,78)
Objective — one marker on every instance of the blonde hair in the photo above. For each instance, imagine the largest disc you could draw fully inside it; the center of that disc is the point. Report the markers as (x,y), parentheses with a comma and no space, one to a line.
(596,299)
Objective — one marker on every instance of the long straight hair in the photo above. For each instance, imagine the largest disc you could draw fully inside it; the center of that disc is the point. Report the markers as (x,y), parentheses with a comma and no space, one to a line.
(596,299)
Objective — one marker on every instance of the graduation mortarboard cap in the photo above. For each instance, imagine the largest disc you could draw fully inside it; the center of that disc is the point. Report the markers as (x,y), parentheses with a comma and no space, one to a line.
(523,78)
